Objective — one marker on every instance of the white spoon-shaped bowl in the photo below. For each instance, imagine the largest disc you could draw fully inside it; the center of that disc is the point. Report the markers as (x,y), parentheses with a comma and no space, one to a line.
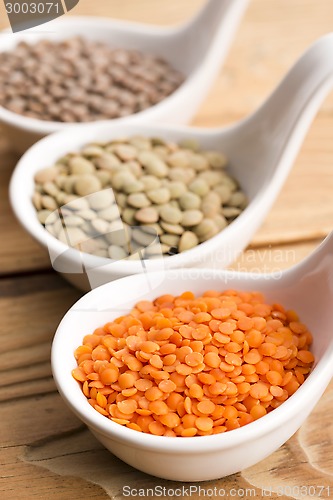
(307,288)
(261,150)
(197,49)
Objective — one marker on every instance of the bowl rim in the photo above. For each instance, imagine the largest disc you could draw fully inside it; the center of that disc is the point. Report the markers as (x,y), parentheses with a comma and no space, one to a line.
(25,168)
(39,126)
(295,404)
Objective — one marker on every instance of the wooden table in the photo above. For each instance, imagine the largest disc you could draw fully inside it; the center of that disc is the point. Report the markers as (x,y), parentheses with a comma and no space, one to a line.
(45,451)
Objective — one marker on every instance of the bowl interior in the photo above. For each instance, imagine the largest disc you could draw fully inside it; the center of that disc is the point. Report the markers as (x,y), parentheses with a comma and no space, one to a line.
(116,34)
(46,152)
(161,42)
(114,299)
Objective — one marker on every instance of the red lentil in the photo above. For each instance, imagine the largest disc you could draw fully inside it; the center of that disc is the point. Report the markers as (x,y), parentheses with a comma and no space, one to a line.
(193,366)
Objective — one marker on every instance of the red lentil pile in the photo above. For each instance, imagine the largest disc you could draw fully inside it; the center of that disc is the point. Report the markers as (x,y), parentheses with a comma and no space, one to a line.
(194,366)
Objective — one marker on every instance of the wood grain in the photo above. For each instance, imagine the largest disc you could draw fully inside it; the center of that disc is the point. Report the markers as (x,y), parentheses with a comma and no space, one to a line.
(18,251)
(45,452)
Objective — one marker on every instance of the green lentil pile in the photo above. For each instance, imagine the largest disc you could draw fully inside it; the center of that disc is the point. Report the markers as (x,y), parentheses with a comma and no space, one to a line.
(178,192)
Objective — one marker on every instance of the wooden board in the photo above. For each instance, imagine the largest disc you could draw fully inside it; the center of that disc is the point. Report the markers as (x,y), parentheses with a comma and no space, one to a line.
(45,452)
(18,251)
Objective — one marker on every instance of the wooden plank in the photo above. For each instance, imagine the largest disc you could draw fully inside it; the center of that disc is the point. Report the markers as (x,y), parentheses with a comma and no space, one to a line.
(46,452)
(18,251)
(30,408)
(273,259)
(270,38)
(21,479)
(304,208)
(299,462)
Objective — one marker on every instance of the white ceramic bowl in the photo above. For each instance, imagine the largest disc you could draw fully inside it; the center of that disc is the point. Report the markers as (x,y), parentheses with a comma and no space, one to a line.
(261,150)
(208,457)
(211,32)
(87,271)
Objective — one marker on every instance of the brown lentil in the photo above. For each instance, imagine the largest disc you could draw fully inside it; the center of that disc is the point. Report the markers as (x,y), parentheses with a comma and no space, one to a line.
(91,81)
(166,369)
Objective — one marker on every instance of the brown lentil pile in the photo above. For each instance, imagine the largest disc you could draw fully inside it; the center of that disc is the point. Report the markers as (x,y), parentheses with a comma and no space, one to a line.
(194,366)
(81,80)
(178,192)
